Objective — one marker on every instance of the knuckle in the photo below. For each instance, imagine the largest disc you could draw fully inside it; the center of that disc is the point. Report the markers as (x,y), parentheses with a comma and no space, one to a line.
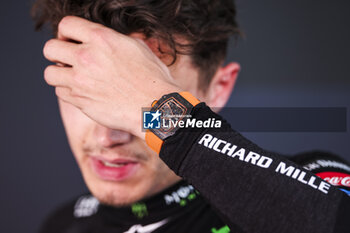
(84,56)
(78,81)
(76,92)
(100,34)
(64,22)
(97,32)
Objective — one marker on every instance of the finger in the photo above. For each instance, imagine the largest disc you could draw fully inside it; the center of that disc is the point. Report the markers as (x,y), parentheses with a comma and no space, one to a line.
(60,51)
(58,76)
(75,28)
(65,94)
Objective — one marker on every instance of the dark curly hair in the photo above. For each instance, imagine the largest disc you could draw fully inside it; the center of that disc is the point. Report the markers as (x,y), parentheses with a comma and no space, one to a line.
(205,24)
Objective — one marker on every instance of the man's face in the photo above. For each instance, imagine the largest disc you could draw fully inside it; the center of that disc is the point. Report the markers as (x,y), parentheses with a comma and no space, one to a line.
(118,167)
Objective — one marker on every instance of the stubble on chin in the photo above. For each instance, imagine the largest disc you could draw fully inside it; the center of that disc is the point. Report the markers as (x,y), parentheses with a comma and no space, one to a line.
(111,199)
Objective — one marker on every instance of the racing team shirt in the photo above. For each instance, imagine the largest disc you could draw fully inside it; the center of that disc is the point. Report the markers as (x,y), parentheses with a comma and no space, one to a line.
(179,208)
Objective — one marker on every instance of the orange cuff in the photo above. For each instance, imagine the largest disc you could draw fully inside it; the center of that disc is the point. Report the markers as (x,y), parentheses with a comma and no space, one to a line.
(153,141)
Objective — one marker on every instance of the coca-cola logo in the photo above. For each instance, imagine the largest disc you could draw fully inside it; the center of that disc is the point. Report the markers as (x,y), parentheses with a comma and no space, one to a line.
(336,178)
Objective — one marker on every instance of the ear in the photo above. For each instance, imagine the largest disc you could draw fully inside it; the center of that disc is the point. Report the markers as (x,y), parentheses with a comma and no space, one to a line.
(221,86)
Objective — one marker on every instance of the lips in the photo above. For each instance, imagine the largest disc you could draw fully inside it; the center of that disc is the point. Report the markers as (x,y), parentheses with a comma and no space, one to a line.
(113,170)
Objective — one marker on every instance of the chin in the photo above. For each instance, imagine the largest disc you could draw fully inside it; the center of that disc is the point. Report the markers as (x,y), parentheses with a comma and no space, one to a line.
(114,198)
(116,193)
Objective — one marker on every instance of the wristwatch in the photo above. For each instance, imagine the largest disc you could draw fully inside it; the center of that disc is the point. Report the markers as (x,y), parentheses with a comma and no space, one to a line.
(174,108)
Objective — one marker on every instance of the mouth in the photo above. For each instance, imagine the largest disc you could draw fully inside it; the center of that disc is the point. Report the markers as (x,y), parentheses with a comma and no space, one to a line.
(113,170)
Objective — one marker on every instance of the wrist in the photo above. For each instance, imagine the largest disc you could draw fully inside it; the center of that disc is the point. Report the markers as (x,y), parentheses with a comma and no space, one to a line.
(172,108)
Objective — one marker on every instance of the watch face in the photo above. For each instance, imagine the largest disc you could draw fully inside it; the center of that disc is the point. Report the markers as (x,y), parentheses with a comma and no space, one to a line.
(174,109)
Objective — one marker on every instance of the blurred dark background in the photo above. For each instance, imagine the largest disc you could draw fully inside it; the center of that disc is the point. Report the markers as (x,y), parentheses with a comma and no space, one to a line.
(295,54)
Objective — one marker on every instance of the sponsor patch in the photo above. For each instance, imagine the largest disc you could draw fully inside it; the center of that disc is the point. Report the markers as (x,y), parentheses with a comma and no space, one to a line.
(336,178)
(86,206)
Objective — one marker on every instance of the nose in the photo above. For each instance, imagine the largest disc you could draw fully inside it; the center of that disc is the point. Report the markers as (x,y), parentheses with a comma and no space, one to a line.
(107,137)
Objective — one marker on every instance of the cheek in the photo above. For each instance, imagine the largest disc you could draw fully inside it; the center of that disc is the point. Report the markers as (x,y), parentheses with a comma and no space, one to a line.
(154,169)
(158,171)
(76,125)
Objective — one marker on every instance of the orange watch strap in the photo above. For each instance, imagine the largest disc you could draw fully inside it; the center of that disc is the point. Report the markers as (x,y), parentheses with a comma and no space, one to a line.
(190,98)
(152,140)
